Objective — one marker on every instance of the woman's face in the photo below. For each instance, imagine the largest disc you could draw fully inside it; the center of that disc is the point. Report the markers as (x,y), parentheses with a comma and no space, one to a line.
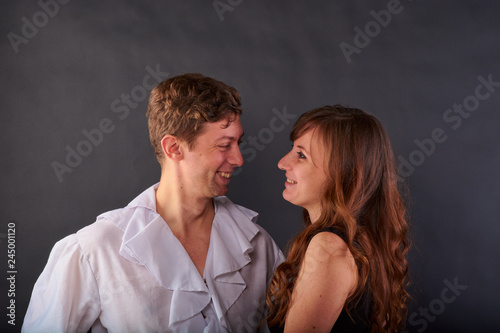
(305,174)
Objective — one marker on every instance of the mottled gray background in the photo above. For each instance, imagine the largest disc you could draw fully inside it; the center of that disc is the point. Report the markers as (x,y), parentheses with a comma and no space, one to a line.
(281,55)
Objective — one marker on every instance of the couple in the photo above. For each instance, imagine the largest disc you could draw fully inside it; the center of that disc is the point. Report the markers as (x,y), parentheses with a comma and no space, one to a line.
(181,257)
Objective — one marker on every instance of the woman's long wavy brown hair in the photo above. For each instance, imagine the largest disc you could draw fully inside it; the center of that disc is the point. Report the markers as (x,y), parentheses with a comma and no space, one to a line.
(361,199)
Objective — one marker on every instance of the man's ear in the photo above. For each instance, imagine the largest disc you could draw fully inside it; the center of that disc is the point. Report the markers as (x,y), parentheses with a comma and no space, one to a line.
(171,147)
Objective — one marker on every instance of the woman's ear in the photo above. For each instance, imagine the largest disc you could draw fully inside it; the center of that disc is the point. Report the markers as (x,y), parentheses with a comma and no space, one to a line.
(171,147)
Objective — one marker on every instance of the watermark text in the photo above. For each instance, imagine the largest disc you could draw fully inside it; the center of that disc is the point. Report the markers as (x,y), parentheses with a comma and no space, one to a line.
(11,272)
(94,137)
(454,116)
(30,28)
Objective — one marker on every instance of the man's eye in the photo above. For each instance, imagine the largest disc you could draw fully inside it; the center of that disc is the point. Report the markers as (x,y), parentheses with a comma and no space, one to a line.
(224,146)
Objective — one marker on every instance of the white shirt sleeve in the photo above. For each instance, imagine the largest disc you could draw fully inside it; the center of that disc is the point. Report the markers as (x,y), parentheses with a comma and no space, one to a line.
(65,297)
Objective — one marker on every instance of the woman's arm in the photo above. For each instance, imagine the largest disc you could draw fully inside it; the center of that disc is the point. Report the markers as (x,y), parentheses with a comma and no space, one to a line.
(328,275)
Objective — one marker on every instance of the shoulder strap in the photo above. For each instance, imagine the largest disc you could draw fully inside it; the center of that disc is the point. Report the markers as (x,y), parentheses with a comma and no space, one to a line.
(334,230)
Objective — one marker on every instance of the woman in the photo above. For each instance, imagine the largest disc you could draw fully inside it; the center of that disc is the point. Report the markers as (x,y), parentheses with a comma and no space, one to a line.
(346,271)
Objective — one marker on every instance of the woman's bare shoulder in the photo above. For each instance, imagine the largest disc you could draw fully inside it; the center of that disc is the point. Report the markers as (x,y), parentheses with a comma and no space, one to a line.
(326,245)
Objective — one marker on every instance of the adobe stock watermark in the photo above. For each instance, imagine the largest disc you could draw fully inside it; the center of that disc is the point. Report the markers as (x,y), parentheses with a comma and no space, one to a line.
(30,28)
(252,145)
(372,29)
(254,319)
(94,137)
(453,116)
(225,6)
(11,272)
(436,307)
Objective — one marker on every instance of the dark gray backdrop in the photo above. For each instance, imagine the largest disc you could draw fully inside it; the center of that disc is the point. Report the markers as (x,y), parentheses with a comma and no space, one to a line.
(67,68)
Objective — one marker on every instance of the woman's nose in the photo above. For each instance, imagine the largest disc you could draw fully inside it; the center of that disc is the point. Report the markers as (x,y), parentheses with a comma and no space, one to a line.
(282,164)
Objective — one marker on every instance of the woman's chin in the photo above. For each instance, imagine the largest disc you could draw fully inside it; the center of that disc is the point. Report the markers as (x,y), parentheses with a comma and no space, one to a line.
(289,199)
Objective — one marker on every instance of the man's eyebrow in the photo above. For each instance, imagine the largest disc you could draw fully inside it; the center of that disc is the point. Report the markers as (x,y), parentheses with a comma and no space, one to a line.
(232,138)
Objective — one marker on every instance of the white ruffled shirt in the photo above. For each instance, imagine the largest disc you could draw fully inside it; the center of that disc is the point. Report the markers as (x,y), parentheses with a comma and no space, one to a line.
(127,272)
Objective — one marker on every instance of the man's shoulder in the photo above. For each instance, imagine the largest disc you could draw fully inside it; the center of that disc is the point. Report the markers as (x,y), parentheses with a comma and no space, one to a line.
(139,209)
(107,225)
(103,227)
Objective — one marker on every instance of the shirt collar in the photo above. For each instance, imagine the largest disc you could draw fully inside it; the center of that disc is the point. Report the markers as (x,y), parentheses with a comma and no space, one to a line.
(148,241)
(232,232)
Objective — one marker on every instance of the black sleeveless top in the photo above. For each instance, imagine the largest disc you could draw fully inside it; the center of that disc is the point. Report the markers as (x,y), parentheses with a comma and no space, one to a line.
(360,314)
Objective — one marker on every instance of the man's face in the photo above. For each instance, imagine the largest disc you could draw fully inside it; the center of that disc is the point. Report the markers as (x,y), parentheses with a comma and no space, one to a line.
(215,155)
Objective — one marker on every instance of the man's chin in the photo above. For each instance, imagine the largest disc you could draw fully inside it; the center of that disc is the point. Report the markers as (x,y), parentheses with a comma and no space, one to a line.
(220,191)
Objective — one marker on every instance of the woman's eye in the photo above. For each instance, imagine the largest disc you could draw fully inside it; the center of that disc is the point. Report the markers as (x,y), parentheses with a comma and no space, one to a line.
(301,155)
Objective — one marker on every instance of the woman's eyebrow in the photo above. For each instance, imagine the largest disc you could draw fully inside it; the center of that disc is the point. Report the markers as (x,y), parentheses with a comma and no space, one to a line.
(302,148)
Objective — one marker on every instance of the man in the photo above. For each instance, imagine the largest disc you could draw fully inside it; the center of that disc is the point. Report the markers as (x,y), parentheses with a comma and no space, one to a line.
(180,257)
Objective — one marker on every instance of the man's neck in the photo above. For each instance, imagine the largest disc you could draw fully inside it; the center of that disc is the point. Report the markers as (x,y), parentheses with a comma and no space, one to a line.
(189,217)
(182,210)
